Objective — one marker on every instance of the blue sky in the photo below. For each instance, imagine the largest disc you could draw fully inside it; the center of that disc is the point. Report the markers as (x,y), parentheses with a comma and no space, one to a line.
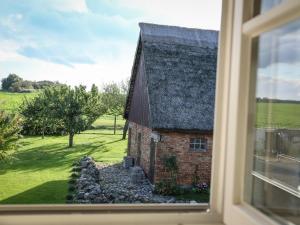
(87,41)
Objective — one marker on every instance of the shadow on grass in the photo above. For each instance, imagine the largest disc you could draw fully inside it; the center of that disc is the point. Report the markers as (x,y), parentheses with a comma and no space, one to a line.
(108,127)
(50,156)
(49,193)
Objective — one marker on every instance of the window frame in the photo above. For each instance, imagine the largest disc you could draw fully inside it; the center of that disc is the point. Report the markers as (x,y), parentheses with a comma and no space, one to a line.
(227,205)
(241,112)
(202,141)
(209,214)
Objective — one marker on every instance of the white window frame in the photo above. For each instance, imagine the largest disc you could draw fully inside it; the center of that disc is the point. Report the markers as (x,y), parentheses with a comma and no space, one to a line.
(227,205)
(202,141)
(240,114)
(206,214)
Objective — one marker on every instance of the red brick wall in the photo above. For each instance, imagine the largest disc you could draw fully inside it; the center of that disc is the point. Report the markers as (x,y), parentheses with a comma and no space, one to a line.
(190,163)
(145,144)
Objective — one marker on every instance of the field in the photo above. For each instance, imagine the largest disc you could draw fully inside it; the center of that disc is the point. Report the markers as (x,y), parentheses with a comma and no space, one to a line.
(284,115)
(11,101)
(39,171)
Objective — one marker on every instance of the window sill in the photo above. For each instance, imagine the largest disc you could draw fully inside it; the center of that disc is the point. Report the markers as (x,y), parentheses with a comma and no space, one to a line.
(109,214)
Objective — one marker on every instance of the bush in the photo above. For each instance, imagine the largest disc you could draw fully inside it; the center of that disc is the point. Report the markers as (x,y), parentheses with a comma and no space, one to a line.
(10,127)
(71,188)
(201,188)
(69,197)
(76,169)
(74,175)
(72,181)
(168,187)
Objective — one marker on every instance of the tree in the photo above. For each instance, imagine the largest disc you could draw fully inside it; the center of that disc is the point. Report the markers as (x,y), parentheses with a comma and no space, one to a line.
(10,127)
(114,99)
(76,107)
(95,106)
(125,87)
(7,83)
(36,116)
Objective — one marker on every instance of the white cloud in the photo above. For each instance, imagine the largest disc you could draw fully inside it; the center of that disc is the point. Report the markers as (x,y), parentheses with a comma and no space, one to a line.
(189,13)
(278,88)
(105,70)
(11,21)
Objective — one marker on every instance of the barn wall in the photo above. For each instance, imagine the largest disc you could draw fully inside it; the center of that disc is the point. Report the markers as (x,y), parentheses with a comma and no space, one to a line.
(190,164)
(139,108)
(145,144)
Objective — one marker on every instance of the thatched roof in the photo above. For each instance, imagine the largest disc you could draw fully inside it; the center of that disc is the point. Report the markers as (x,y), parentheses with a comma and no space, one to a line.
(180,71)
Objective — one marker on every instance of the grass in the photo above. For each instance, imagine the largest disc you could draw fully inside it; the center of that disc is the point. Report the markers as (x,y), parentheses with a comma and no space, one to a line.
(278,115)
(11,101)
(39,170)
(199,197)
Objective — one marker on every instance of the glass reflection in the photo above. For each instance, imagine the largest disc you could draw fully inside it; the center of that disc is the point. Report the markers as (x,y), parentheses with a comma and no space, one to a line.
(261,6)
(276,167)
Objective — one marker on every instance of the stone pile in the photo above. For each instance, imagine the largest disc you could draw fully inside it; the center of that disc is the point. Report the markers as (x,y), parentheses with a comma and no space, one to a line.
(104,183)
(120,185)
(87,186)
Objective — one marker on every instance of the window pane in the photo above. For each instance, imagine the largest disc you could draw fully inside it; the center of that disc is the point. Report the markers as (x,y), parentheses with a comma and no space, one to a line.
(276,157)
(261,6)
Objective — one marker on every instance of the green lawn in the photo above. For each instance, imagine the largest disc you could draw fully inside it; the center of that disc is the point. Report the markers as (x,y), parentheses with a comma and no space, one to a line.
(39,171)
(11,101)
(283,115)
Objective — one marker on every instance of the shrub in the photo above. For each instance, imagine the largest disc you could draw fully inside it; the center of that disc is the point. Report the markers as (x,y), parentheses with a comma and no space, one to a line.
(201,188)
(71,188)
(10,127)
(76,169)
(72,181)
(169,186)
(75,175)
(69,197)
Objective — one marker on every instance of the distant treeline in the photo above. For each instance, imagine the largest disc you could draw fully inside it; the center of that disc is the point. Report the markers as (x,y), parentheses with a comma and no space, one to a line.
(271,100)
(14,83)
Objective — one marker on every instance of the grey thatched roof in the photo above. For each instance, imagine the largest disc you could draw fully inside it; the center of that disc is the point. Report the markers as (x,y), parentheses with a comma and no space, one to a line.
(180,70)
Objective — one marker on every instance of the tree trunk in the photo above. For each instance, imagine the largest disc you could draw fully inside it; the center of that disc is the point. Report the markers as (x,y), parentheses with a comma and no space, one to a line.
(43,133)
(71,136)
(115,124)
(125,128)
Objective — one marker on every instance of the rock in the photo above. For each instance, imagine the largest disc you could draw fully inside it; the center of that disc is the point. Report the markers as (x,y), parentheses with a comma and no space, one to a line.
(171,200)
(104,183)
(80,195)
(137,174)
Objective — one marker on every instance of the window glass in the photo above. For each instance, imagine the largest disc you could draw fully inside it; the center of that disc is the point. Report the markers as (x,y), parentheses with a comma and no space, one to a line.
(110,121)
(261,6)
(275,184)
(198,144)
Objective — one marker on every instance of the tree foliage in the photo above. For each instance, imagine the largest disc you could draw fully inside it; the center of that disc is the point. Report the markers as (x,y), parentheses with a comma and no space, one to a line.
(114,98)
(63,108)
(37,119)
(7,83)
(14,83)
(10,127)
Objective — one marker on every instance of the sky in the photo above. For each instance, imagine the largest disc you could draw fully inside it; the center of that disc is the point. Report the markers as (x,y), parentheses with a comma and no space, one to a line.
(278,69)
(87,41)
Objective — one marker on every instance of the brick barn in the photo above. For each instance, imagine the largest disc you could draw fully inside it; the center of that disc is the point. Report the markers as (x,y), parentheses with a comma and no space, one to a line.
(170,104)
